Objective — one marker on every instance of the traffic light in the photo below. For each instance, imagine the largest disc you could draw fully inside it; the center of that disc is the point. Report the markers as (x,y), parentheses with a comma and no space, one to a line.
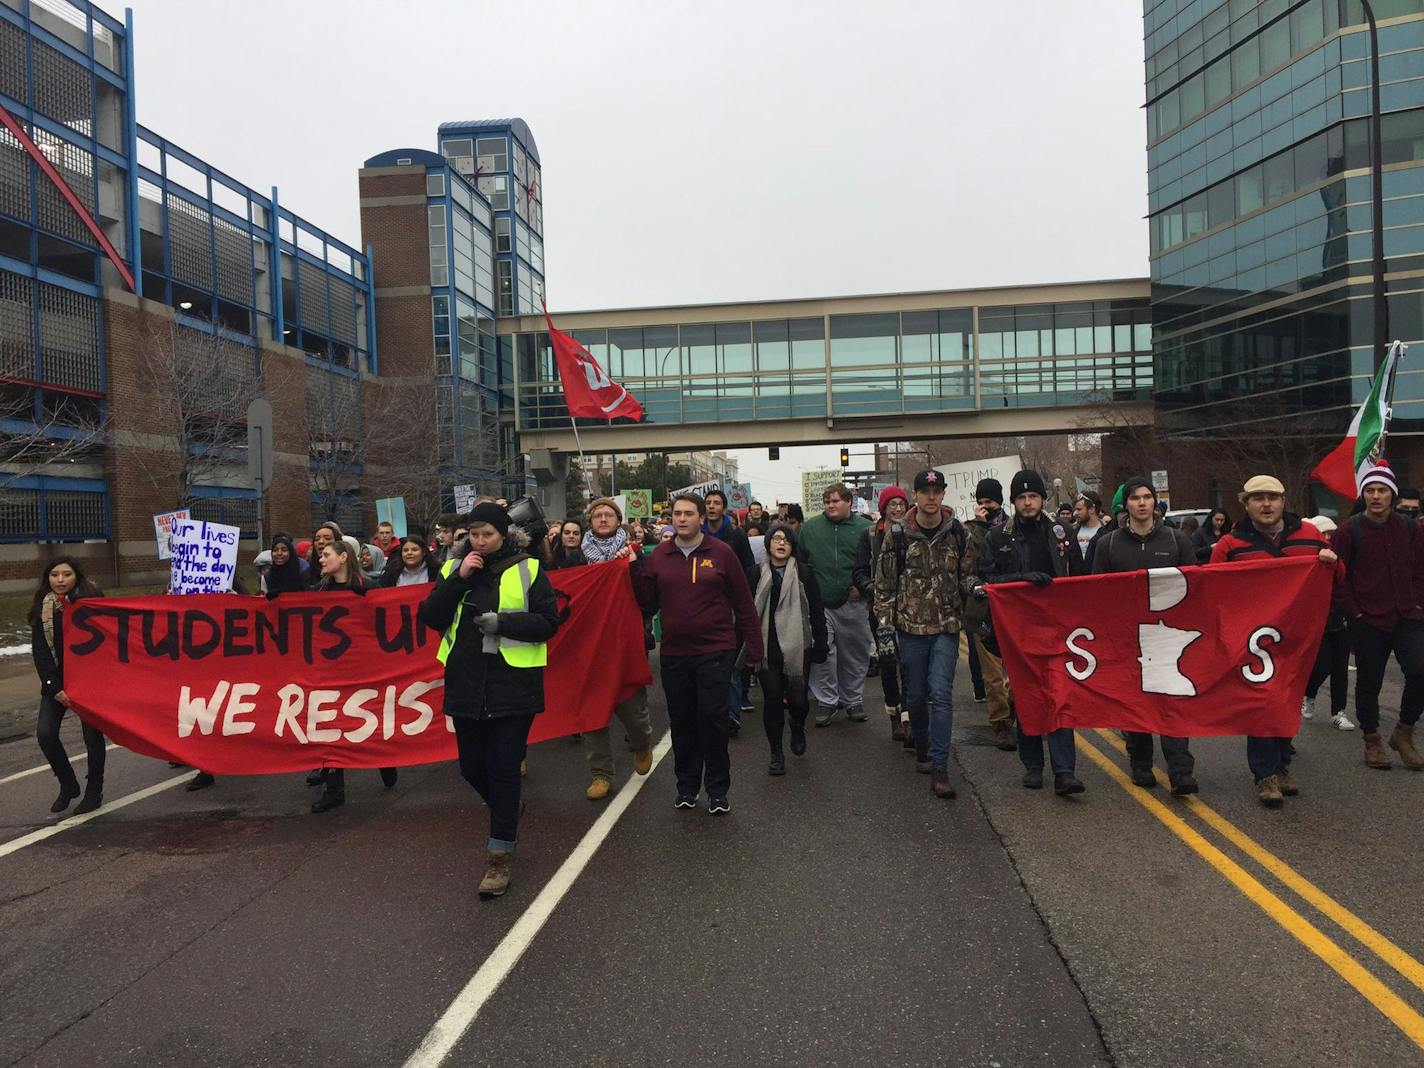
(773,453)
(845,457)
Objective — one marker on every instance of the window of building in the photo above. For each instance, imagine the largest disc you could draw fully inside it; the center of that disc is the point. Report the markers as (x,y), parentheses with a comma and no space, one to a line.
(492,155)
(496,189)
(439,257)
(501,234)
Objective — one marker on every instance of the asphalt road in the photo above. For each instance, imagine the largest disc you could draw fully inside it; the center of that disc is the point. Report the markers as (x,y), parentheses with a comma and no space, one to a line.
(838,915)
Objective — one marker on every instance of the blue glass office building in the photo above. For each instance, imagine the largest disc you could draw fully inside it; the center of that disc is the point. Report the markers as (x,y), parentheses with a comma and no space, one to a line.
(1259,195)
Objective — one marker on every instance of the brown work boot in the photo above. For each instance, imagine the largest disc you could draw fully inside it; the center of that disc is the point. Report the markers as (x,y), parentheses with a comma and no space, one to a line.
(940,784)
(643,760)
(497,875)
(922,755)
(1269,791)
(598,789)
(1004,735)
(1286,783)
(1375,756)
(1402,742)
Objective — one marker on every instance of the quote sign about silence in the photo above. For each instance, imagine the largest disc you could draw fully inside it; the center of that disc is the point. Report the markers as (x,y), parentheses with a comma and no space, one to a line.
(204,557)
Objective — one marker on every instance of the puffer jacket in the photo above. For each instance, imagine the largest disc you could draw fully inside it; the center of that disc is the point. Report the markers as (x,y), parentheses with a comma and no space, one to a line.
(830,549)
(480,685)
(939,567)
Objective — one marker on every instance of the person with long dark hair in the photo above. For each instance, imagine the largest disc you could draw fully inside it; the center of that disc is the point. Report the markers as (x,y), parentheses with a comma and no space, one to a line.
(340,566)
(1205,537)
(566,551)
(410,564)
(793,631)
(61,584)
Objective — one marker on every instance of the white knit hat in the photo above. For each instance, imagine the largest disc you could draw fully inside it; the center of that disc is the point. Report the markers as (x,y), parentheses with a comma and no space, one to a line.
(1379,472)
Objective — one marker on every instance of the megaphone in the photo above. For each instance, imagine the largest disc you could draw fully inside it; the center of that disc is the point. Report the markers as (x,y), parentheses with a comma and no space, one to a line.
(526,514)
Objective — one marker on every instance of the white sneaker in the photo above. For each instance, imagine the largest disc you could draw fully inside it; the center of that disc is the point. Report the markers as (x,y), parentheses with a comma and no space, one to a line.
(1341,722)
(1307,709)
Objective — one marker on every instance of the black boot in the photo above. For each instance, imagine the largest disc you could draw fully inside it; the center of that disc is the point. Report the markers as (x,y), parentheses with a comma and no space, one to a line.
(922,755)
(1065,783)
(314,777)
(778,764)
(93,796)
(68,791)
(329,799)
(200,781)
(388,777)
(798,738)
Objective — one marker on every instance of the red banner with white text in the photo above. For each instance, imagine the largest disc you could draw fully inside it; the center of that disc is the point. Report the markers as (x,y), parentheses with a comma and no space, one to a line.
(1184,652)
(243,685)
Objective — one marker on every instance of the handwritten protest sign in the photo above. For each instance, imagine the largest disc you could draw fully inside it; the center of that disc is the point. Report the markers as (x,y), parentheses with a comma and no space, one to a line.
(163,529)
(204,557)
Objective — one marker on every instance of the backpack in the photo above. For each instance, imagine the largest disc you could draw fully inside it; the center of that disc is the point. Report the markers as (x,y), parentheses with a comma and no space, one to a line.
(1357,528)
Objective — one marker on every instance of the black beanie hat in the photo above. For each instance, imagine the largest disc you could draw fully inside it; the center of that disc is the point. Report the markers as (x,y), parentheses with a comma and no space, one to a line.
(990,488)
(491,513)
(1027,482)
(1137,482)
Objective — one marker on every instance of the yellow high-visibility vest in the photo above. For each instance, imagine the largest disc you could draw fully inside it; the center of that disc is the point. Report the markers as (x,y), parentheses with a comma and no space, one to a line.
(514,586)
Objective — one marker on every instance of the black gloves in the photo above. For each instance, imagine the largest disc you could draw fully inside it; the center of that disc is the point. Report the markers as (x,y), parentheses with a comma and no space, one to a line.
(819,652)
(1038,578)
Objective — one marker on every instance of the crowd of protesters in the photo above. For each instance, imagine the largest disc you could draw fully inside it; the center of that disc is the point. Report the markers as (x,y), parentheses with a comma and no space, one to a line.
(810,609)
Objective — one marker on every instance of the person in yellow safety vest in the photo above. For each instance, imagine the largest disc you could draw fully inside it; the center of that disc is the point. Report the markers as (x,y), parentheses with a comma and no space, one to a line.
(496,611)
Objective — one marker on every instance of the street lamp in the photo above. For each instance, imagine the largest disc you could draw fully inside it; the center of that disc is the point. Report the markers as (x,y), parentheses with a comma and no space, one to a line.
(1381,304)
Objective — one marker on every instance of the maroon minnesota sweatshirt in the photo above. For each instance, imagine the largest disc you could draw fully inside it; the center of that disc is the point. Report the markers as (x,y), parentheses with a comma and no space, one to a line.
(704,598)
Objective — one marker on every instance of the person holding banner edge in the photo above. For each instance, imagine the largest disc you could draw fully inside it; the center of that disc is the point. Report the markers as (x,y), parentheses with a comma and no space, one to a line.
(1268,529)
(340,571)
(61,584)
(496,612)
(1029,547)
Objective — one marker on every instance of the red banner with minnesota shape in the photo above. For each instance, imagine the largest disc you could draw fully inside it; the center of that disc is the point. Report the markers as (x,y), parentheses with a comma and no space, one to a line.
(242,685)
(1184,652)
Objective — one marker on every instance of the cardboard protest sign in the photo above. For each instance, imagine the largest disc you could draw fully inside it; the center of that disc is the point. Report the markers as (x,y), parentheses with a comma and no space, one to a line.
(204,557)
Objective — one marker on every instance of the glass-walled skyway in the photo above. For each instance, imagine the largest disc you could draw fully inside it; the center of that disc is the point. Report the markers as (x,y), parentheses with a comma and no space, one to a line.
(699,364)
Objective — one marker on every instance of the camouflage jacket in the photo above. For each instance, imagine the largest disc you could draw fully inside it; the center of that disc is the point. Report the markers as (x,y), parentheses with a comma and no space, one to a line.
(927,596)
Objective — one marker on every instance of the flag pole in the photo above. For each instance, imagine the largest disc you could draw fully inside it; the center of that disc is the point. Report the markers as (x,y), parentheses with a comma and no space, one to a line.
(1393,362)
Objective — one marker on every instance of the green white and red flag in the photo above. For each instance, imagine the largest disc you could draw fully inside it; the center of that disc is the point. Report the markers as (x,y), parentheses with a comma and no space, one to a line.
(1340,471)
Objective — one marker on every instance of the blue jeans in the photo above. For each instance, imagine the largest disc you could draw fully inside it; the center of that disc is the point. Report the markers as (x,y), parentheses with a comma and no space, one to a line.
(1267,756)
(927,663)
(1062,750)
(976,673)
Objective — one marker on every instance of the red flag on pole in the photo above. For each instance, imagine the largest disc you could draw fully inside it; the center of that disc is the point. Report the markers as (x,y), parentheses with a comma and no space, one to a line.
(588,391)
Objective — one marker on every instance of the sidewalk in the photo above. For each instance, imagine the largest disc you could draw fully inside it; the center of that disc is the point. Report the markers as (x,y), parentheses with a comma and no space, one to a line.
(19,697)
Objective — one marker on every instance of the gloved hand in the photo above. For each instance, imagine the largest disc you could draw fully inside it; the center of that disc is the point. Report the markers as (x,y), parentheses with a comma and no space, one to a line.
(649,641)
(885,641)
(819,652)
(1038,578)
(980,592)
(488,622)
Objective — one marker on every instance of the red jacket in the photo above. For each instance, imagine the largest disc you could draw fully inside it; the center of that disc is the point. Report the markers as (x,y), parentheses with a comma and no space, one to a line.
(706,604)
(1298,538)
(1384,580)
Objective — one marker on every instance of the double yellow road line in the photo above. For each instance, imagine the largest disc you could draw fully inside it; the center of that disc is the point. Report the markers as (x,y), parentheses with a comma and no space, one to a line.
(1347,966)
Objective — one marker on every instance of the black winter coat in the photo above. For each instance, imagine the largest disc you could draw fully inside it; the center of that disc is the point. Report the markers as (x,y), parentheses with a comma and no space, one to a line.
(1006,558)
(480,685)
(50,666)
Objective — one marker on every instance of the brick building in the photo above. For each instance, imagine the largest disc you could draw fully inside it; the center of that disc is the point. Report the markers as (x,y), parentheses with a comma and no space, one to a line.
(146,298)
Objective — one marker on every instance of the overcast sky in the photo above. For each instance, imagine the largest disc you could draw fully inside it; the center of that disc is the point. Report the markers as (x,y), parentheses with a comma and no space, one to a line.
(698,152)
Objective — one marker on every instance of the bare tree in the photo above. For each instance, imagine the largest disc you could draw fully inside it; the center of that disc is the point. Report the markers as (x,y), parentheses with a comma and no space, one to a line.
(196,388)
(403,450)
(42,430)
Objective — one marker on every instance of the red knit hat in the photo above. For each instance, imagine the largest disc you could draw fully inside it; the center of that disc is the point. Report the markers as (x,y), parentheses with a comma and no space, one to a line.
(889,493)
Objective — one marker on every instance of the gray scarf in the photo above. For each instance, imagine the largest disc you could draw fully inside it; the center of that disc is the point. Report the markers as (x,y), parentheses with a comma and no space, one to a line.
(792,614)
(598,550)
